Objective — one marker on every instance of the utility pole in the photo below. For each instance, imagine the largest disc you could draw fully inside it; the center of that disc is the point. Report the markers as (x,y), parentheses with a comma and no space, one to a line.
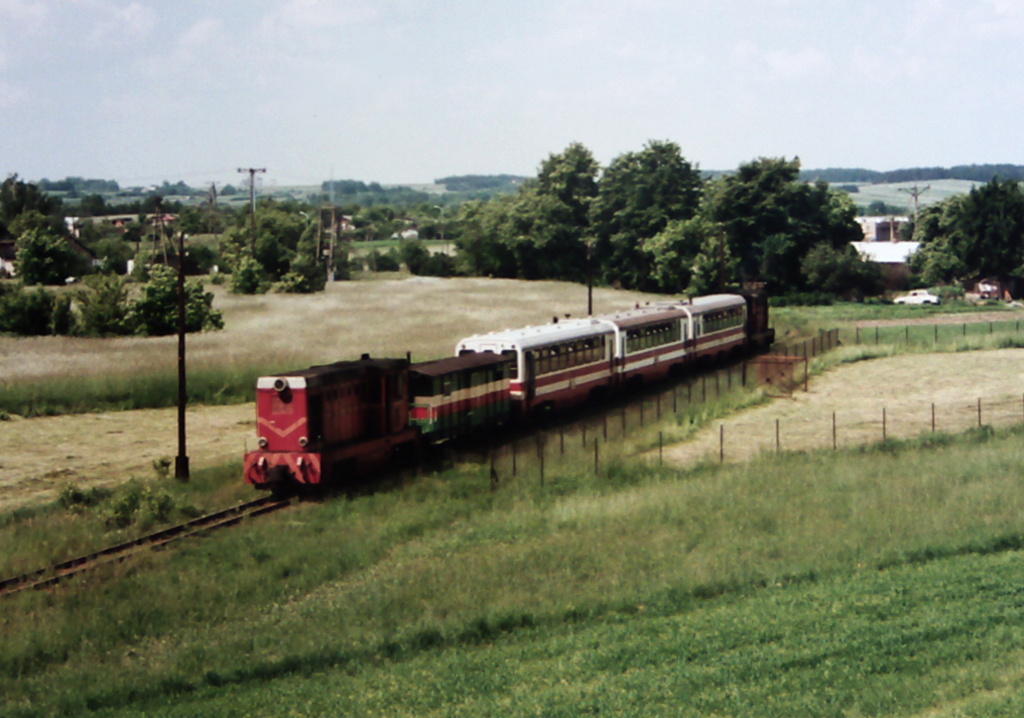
(915,192)
(252,203)
(181,461)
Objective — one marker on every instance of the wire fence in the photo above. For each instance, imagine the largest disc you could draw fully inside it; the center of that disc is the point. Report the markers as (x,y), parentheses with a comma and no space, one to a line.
(593,443)
(605,435)
(927,335)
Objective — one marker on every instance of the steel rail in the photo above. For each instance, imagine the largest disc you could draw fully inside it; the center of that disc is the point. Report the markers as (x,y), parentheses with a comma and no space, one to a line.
(50,575)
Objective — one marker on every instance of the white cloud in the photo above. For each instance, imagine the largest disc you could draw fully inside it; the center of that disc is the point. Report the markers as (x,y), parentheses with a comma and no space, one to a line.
(116,24)
(33,12)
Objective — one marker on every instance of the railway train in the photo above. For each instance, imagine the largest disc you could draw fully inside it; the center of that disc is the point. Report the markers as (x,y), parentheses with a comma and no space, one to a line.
(328,425)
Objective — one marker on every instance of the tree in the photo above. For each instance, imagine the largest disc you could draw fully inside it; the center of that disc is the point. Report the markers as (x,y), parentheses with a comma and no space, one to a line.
(44,258)
(17,197)
(638,195)
(772,220)
(714,266)
(674,250)
(840,271)
(103,306)
(155,312)
(980,234)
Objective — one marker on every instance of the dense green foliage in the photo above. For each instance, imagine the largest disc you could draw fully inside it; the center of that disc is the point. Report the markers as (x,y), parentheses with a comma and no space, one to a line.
(650,221)
(104,307)
(980,234)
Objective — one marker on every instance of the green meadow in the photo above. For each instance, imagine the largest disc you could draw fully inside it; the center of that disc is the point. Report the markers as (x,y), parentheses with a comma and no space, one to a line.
(882,580)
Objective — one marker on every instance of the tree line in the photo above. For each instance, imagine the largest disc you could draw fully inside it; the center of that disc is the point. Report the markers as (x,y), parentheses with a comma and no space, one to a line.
(651,220)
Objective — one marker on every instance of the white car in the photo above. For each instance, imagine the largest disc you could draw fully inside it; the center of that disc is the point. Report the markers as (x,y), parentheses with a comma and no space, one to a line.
(917,296)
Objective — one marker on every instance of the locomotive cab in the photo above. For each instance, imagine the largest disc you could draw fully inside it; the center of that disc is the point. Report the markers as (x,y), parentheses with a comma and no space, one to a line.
(332,422)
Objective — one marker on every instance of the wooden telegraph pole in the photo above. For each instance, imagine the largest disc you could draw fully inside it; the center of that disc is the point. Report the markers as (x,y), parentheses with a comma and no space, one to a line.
(181,461)
(252,203)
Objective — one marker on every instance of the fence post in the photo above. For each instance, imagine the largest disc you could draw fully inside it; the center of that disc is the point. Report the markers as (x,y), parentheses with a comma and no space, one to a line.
(514,461)
(778,444)
(834,444)
(561,439)
(658,405)
(623,421)
(979,412)
(661,447)
(884,427)
(933,417)
(856,335)
(936,334)
(675,402)
(596,460)
(540,454)
(721,443)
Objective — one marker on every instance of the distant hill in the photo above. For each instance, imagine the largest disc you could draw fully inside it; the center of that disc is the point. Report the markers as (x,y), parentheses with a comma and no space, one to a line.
(477,183)
(970,173)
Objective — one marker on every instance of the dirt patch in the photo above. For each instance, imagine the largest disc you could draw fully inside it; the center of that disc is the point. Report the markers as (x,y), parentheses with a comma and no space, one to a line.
(892,397)
(42,455)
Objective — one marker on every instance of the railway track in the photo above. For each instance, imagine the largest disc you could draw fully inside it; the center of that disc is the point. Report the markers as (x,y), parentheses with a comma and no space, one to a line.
(41,578)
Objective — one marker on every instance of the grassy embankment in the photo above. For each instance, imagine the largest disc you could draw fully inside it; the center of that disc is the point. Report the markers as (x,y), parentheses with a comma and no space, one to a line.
(882,580)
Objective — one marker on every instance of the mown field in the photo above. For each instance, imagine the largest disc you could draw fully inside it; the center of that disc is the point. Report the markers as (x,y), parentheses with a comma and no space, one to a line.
(871,579)
(267,333)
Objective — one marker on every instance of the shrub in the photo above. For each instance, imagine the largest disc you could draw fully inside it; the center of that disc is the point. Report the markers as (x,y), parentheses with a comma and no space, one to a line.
(103,306)
(26,313)
(155,313)
(248,278)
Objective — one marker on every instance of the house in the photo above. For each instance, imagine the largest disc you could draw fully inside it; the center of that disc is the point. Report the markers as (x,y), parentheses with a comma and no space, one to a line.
(892,257)
(882,229)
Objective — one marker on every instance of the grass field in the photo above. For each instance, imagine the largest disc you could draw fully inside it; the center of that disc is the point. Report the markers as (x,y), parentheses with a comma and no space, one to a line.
(267,333)
(881,579)
(873,582)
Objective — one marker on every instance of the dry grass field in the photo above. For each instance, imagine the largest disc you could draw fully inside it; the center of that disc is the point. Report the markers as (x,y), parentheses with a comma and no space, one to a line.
(385,318)
(905,387)
(426,316)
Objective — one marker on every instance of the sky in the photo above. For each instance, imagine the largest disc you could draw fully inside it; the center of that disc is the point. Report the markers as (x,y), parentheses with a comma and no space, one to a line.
(407,91)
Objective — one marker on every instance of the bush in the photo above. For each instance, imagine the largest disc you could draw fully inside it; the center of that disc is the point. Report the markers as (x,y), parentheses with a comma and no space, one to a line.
(103,306)
(155,313)
(26,313)
(384,262)
(248,278)
(45,258)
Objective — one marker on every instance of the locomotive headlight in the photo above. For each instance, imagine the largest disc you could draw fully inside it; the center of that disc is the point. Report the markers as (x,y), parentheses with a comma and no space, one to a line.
(280,385)
(263,442)
(303,441)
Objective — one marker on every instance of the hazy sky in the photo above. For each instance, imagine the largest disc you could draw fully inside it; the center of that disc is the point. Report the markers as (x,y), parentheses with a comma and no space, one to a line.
(411,90)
